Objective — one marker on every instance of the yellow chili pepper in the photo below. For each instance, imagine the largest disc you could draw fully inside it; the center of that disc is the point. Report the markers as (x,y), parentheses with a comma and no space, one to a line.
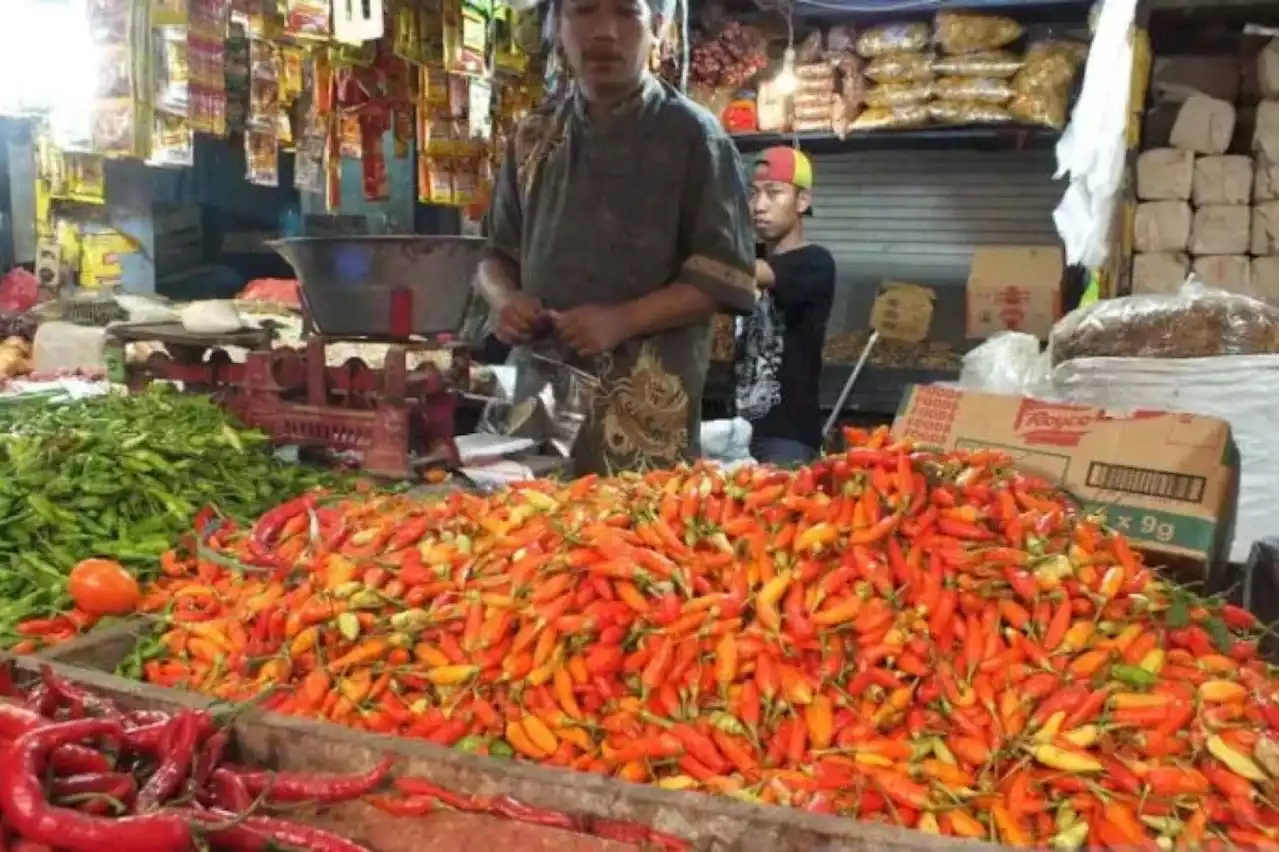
(1051,727)
(1083,736)
(1077,636)
(451,675)
(1238,763)
(676,782)
(815,538)
(1222,691)
(539,734)
(1111,582)
(1133,700)
(1153,661)
(1064,760)
(928,823)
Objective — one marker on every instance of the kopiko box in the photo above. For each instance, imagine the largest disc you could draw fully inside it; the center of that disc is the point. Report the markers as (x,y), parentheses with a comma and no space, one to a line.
(1167,480)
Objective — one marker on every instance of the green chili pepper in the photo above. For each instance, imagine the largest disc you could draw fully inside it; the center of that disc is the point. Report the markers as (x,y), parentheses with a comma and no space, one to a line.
(1134,676)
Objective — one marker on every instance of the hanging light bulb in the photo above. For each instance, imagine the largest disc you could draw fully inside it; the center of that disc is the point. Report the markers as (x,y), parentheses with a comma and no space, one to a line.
(785,83)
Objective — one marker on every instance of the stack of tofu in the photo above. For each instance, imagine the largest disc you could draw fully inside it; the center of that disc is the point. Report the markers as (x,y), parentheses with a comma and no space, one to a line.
(1204,210)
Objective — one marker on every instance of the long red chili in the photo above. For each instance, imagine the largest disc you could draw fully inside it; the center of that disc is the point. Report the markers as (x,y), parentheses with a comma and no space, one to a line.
(505,806)
(251,833)
(98,790)
(175,767)
(25,810)
(227,791)
(300,787)
(63,692)
(70,759)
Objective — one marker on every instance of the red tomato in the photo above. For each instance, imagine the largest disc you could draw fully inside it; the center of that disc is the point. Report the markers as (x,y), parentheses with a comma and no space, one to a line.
(103,587)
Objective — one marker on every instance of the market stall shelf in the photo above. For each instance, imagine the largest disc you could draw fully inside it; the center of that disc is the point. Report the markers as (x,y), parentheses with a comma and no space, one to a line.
(289,744)
(1017,137)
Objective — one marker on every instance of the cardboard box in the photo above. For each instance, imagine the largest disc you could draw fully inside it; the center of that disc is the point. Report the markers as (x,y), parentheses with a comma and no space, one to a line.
(1264,279)
(1013,288)
(1166,480)
(1165,174)
(1161,226)
(1222,180)
(1203,125)
(1160,272)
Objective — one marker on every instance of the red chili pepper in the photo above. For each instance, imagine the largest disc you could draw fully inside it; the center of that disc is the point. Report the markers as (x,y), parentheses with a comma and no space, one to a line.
(422,787)
(299,787)
(264,833)
(62,691)
(403,806)
(183,740)
(26,811)
(228,791)
(98,792)
(1238,618)
(509,808)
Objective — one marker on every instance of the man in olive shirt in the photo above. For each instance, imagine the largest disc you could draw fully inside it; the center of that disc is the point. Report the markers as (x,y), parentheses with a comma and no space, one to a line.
(619,226)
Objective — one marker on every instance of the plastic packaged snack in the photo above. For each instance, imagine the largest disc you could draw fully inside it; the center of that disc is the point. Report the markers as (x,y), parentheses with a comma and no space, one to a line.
(967,112)
(889,95)
(1048,109)
(892,38)
(900,68)
(1050,64)
(896,118)
(840,116)
(1195,322)
(968,32)
(815,125)
(985,90)
(814,71)
(989,63)
(809,109)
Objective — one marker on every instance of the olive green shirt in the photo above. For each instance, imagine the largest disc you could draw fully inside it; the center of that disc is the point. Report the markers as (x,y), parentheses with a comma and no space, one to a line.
(607,211)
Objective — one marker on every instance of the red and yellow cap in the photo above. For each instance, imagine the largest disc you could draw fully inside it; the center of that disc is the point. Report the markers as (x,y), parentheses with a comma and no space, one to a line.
(785,165)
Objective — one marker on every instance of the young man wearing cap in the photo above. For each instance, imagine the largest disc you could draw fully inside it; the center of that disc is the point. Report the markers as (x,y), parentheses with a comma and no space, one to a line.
(619,226)
(780,354)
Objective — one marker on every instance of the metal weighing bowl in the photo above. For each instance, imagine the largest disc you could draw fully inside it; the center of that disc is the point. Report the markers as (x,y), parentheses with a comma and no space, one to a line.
(384,286)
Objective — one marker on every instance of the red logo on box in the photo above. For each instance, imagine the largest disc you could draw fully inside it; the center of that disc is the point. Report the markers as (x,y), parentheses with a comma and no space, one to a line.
(1059,425)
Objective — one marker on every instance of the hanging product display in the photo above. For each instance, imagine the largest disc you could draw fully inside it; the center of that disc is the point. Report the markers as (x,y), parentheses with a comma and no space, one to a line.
(207,66)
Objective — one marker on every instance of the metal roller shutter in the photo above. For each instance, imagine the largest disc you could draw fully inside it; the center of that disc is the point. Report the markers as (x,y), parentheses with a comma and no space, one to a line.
(913,215)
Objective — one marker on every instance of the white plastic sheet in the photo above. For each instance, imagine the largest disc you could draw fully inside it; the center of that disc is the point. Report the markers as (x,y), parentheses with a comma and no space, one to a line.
(1092,149)
(1244,390)
(1009,363)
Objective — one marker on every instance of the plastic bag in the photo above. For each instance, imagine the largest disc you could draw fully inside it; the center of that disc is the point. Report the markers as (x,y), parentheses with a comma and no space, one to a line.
(991,63)
(889,95)
(1195,322)
(900,68)
(215,316)
(1050,65)
(19,290)
(812,125)
(810,50)
(896,118)
(986,90)
(1046,108)
(892,38)
(968,112)
(771,109)
(967,32)
(853,90)
(145,309)
(841,116)
(1008,362)
(67,346)
(841,39)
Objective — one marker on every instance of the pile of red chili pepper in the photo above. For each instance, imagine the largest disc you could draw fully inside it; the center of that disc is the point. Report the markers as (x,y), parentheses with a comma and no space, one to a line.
(79,773)
(922,638)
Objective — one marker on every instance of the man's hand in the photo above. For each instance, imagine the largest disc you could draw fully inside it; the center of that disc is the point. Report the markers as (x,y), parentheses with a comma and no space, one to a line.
(765,279)
(518,318)
(592,329)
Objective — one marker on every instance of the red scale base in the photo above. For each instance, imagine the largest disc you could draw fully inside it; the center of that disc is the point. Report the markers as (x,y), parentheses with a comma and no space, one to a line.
(386,415)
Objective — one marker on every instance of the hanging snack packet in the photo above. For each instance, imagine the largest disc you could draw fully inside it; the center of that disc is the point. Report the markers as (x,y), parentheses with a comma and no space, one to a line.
(969,32)
(1043,107)
(261,157)
(307,19)
(172,145)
